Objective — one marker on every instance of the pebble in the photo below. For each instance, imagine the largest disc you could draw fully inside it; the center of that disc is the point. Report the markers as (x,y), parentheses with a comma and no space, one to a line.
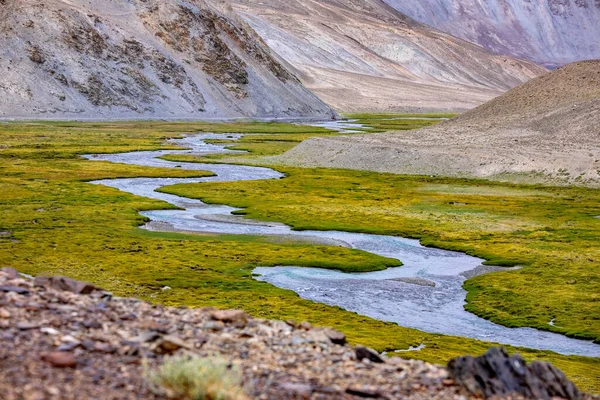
(59,359)
(104,354)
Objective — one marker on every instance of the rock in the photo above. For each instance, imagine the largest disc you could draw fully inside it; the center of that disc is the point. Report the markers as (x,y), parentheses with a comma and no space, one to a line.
(49,331)
(11,273)
(170,344)
(498,374)
(65,284)
(59,359)
(364,393)
(16,289)
(229,315)
(336,337)
(92,324)
(26,326)
(296,390)
(4,314)
(369,354)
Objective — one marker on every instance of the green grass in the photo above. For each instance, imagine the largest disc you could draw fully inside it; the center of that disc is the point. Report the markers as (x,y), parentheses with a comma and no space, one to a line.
(397,122)
(53,222)
(552,232)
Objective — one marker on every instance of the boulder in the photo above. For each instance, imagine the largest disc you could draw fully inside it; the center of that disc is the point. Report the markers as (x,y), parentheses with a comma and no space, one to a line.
(497,373)
(65,284)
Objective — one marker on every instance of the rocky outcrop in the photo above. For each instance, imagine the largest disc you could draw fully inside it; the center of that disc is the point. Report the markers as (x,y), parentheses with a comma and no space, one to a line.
(141,59)
(366,56)
(58,343)
(550,32)
(498,374)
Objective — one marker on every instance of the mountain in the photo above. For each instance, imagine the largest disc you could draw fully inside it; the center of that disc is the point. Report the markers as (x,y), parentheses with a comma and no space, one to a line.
(139,59)
(547,130)
(366,56)
(550,32)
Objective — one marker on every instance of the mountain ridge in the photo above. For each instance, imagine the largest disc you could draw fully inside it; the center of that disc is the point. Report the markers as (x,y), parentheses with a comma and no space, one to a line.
(366,56)
(141,59)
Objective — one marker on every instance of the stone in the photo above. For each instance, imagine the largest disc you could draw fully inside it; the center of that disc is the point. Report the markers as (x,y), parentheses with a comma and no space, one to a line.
(16,289)
(363,353)
(49,331)
(229,315)
(300,390)
(335,336)
(496,373)
(59,359)
(170,344)
(364,393)
(11,273)
(65,284)
(26,326)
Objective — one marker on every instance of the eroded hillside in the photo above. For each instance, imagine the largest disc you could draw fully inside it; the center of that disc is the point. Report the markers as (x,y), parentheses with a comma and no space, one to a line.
(552,32)
(141,59)
(365,56)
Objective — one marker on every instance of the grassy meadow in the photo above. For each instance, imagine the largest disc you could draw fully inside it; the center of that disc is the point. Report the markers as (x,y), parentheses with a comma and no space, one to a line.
(53,222)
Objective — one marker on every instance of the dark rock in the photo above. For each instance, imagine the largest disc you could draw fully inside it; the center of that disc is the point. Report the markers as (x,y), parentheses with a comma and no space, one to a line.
(336,337)
(59,359)
(92,324)
(16,289)
(498,374)
(364,393)
(65,284)
(369,354)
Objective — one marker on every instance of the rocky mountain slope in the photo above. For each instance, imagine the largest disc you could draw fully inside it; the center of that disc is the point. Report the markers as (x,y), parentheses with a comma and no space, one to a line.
(63,339)
(545,130)
(365,56)
(552,32)
(140,59)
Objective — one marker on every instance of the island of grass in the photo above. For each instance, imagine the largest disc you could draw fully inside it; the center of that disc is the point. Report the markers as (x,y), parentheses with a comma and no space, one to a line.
(54,222)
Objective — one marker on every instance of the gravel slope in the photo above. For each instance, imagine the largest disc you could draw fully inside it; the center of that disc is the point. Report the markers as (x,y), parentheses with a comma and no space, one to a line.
(366,56)
(547,130)
(551,32)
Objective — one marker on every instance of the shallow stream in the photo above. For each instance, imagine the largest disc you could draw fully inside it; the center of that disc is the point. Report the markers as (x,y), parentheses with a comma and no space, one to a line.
(426,293)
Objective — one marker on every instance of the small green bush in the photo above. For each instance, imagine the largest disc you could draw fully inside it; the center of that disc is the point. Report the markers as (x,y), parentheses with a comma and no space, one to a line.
(195,378)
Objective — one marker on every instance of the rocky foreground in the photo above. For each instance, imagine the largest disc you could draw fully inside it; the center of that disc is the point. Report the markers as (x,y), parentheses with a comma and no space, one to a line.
(63,339)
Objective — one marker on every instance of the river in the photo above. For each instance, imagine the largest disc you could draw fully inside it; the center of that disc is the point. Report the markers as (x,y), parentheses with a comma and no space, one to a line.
(426,293)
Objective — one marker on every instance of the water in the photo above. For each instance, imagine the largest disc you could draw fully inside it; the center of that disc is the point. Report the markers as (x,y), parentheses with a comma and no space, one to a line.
(425,294)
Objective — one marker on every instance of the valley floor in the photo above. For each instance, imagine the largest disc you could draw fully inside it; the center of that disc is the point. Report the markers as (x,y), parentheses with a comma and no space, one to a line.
(54,222)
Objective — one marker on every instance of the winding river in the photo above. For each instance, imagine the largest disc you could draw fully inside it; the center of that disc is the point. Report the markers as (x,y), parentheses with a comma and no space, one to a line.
(426,293)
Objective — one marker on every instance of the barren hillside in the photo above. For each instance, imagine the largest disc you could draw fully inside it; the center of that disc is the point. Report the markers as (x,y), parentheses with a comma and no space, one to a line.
(366,56)
(552,32)
(545,130)
(140,59)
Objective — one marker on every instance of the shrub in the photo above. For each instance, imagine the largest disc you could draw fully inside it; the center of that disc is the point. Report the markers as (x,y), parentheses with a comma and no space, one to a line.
(195,378)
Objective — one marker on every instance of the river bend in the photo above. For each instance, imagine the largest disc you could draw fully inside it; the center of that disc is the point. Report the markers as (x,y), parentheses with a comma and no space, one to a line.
(426,293)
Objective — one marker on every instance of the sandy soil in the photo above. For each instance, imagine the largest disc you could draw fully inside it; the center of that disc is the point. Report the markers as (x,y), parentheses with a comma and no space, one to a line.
(547,130)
